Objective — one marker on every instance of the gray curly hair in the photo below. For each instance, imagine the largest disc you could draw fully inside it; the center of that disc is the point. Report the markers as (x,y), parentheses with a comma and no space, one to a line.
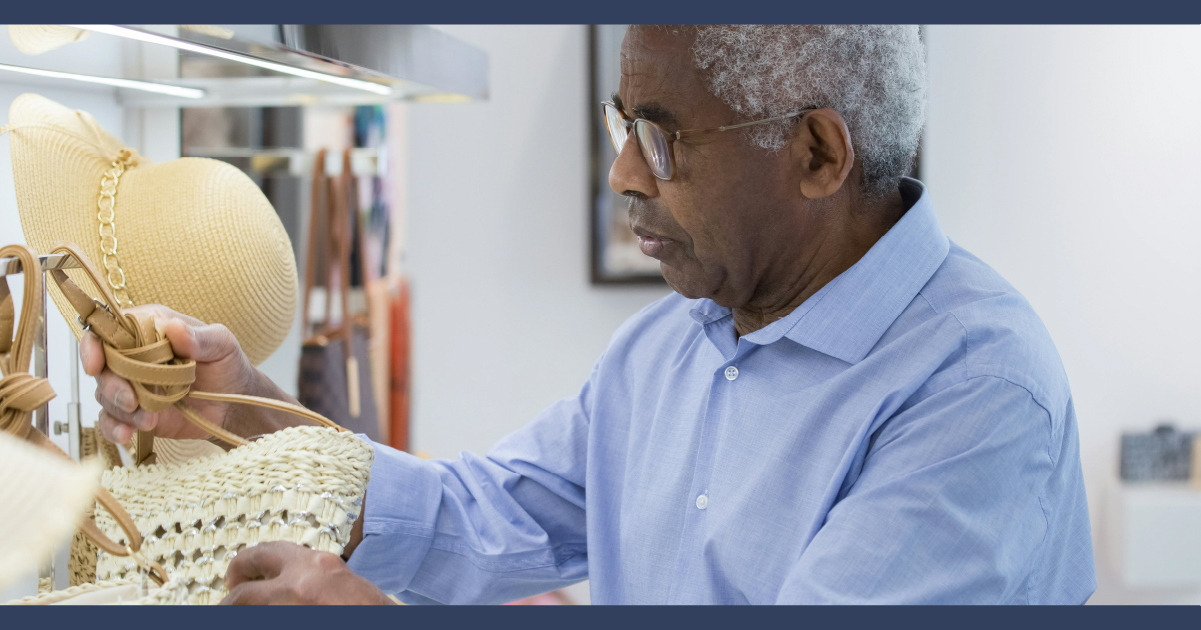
(874,75)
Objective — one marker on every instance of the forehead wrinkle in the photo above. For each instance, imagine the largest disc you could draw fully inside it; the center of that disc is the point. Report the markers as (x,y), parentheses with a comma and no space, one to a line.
(659,80)
(644,103)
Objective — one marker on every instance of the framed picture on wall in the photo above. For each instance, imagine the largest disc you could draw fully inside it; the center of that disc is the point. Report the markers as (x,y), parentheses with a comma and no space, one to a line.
(613,247)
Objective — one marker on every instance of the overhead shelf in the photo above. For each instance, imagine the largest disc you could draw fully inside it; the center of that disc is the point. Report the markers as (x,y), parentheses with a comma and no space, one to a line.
(294,64)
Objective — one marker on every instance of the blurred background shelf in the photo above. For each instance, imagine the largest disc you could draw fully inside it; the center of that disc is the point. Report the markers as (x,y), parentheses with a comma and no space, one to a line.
(270,65)
(1154,533)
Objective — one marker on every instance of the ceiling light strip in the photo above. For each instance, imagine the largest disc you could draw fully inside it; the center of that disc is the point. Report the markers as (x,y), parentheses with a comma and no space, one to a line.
(145,86)
(154,38)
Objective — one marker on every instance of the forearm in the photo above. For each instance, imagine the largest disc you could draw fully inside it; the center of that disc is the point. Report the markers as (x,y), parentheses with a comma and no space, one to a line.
(250,420)
(475,530)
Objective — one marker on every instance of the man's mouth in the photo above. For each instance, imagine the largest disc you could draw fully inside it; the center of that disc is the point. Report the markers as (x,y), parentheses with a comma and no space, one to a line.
(650,243)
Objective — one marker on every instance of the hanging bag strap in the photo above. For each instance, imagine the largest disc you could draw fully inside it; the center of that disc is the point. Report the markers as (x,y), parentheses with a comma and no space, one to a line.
(136,351)
(331,214)
(358,234)
(21,393)
(317,194)
(342,216)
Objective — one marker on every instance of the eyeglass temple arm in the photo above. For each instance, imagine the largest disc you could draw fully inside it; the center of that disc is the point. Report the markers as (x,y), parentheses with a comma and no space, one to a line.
(687,132)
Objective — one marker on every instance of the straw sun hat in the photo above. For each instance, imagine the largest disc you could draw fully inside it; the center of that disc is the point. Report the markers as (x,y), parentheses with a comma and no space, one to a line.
(35,39)
(194,234)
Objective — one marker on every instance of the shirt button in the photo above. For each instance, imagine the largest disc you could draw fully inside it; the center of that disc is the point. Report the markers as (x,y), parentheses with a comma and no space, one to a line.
(731,373)
(702,502)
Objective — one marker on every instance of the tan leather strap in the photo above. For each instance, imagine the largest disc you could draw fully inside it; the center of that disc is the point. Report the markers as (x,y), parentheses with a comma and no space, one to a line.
(359,236)
(317,193)
(136,351)
(22,393)
(335,230)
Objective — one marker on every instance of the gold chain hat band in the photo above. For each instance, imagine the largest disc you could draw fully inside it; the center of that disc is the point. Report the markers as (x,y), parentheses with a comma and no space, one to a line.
(107,203)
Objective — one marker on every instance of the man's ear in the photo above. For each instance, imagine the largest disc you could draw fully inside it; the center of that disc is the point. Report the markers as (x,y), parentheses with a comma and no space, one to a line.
(821,153)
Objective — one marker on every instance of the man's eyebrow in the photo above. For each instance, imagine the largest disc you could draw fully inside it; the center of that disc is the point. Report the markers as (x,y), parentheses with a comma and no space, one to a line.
(651,111)
(655,113)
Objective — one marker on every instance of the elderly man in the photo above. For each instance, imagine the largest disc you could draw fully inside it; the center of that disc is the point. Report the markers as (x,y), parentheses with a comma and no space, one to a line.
(837,404)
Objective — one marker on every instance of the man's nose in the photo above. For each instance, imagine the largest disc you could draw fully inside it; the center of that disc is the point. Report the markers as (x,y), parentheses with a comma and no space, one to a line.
(630,174)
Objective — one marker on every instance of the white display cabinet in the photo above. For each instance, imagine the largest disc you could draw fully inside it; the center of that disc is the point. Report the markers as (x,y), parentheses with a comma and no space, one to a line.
(1154,533)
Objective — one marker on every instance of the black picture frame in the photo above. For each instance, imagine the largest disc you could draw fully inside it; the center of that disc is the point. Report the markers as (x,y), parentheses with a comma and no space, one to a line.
(614,258)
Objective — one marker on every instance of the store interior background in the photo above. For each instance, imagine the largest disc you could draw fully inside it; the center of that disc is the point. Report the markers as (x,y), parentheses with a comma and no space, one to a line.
(1065,157)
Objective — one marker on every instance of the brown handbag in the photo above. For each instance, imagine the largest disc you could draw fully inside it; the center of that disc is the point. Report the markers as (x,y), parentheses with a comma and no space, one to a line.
(333,377)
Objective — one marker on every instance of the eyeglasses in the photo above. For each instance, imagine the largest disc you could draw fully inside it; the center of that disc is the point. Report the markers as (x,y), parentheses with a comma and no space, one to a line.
(655,143)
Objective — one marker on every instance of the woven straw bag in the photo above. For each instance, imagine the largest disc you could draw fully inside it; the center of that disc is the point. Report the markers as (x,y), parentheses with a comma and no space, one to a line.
(303,484)
(105,593)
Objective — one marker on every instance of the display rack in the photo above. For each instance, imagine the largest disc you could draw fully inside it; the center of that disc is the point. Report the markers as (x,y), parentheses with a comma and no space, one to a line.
(41,416)
(267,65)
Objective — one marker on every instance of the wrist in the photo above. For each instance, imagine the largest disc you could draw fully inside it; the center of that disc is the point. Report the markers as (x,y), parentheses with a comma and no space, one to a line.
(252,420)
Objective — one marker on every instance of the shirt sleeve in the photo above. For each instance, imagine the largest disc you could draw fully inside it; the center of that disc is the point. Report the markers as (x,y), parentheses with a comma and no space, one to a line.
(946,508)
(478,529)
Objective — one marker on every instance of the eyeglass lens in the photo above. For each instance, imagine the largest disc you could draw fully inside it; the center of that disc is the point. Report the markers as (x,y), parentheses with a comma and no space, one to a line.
(651,140)
(617,128)
(654,148)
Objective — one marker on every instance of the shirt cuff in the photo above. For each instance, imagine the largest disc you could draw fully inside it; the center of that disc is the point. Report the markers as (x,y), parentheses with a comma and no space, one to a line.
(403,497)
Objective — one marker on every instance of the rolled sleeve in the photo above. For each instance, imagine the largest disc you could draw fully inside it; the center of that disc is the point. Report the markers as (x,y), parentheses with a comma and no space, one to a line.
(403,497)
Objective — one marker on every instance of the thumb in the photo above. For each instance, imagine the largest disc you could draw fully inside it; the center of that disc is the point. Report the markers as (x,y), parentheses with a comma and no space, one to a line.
(202,343)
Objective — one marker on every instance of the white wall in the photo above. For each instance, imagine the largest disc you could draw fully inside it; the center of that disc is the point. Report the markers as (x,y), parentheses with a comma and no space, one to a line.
(1068,158)
(504,319)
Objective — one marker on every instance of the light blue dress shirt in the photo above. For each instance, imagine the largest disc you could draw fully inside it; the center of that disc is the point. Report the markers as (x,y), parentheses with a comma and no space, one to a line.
(906,435)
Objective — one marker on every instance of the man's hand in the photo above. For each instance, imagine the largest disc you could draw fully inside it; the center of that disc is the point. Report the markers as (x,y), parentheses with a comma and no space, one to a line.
(287,573)
(221,367)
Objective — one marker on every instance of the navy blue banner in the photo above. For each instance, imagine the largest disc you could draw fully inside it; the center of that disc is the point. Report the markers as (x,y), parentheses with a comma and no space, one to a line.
(626,618)
(594,12)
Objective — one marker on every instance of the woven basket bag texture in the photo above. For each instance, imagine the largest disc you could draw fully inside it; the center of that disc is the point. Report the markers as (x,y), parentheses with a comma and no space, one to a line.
(109,592)
(81,562)
(302,484)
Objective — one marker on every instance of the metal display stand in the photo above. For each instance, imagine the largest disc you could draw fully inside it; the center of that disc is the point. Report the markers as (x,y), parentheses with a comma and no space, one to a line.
(41,416)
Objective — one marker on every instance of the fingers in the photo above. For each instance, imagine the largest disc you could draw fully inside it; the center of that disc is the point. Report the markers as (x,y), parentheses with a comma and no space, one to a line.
(114,430)
(91,354)
(200,342)
(286,573)
(260,562)
(259,593)
(115,394)
(91,350)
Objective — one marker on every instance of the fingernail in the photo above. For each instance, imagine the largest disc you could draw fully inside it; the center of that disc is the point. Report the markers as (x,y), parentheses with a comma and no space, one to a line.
(123,434)
(125,401)
(83,352)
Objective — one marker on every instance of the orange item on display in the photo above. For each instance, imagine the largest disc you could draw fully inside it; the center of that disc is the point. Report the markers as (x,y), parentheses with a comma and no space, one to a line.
(399,391)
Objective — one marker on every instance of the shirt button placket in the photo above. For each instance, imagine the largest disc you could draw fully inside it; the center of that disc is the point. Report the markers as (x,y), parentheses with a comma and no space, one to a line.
(731,373)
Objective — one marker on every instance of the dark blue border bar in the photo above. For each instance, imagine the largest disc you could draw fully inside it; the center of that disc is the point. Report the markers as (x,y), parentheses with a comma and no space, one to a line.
(601,12)
(608,618)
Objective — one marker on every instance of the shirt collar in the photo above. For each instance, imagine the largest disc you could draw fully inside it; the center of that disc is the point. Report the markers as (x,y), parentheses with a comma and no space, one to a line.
(846,318)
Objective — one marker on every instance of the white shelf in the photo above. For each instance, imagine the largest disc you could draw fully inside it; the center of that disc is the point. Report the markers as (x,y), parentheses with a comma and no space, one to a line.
(1154,533)
(269,65)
